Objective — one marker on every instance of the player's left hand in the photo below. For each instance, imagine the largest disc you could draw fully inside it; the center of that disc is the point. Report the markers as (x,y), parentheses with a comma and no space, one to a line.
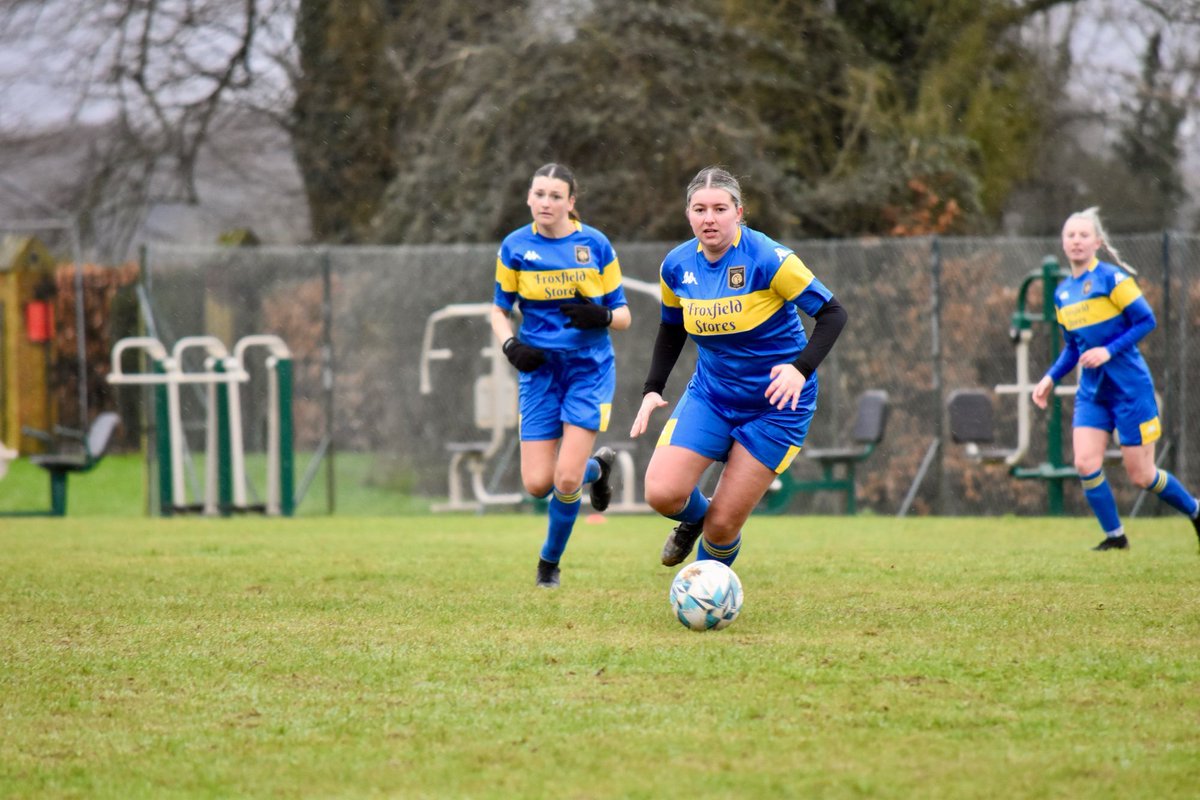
(584,314)
(786,385)
(1094,357)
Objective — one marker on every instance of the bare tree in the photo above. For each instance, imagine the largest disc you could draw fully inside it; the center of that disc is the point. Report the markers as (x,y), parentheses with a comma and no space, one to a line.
(1128,85)
(161,76)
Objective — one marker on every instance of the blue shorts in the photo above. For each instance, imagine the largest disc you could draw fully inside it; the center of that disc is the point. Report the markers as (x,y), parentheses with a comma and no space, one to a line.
(772,436)
(573,386)
(1134,417)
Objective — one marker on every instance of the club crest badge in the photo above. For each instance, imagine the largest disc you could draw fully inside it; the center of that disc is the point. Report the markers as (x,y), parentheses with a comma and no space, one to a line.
(1087,287)
(737,277)
(583,254)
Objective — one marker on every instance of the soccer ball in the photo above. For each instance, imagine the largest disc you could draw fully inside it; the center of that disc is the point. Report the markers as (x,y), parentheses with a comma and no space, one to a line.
(706,596)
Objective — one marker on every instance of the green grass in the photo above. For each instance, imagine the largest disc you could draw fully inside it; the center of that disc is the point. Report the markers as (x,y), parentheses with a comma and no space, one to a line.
(413,657)
(116,487)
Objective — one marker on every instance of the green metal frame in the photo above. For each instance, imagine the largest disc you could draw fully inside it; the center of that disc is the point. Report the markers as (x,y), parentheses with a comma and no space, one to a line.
(224,454)
(779,500)
(162,442)
(1054,470)
(225,444)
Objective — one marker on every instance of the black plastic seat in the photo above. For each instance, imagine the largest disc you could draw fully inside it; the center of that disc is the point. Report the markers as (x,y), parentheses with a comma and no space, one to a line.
(973,423)
(63,463)
(870,423)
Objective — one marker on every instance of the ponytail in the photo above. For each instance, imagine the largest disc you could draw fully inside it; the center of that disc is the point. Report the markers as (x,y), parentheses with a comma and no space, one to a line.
(1092,215)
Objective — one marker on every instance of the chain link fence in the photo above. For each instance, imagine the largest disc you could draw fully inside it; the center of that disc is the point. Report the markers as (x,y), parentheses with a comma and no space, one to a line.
(927,316)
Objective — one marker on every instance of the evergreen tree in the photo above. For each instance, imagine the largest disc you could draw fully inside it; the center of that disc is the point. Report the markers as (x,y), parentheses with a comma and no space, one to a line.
(836,131)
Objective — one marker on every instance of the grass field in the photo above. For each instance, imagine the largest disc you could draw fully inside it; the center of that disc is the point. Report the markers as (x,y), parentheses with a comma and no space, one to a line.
(413,657)
(116,487)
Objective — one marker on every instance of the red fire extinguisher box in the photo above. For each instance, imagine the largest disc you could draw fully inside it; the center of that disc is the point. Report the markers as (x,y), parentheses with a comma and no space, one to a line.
(39,321)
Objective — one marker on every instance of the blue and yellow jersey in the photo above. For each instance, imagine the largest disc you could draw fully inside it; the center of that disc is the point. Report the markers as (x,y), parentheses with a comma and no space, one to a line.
(1104,307)
(542,273)
(741,312)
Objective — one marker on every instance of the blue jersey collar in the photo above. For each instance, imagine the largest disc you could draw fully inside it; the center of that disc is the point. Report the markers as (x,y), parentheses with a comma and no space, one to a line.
(534,229)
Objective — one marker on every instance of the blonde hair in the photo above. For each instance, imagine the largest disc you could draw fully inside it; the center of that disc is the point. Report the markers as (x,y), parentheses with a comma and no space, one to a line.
(1092,215)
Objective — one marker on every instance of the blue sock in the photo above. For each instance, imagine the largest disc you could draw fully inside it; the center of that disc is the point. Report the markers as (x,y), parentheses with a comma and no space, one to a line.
(1171,491)
(726,554)
(1100,497)
(592,471)
(693,510)
(564,508)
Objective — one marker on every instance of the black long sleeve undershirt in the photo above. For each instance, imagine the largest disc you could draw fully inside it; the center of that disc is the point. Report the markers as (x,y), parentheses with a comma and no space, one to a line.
(830,319)
(668,344)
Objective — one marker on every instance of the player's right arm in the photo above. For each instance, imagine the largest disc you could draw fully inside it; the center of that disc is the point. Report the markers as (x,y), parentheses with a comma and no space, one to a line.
(522,356)
(1065,362)
(668,344)
(501,324)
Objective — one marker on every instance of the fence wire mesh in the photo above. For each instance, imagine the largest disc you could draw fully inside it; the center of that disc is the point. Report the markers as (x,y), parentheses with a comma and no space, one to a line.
(927,316)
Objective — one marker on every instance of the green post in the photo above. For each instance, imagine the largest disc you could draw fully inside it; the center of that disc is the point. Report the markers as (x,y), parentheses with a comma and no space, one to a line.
(162,441)
(224,454)
(851,490)
(287,466)
(1053,470)
(58,494)
(1054,429)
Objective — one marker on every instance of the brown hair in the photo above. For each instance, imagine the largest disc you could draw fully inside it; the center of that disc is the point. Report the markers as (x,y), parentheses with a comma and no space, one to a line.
(559,172)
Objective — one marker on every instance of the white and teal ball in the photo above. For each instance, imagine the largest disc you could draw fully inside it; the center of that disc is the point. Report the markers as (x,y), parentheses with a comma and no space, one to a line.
(706,596)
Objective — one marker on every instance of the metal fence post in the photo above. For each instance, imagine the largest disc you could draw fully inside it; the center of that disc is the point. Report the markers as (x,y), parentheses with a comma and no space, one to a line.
(1172,397)
(935,344)
(327,376)
(1180,411)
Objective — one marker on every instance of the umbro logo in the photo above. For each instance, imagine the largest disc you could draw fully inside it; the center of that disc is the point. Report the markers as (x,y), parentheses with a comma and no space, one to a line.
(689,278)
(532,255)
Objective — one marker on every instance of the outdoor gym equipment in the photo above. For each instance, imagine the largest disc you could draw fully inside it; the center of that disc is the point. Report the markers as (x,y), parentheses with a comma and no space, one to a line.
(495,396)
(225,485)
(495,411)
(970,410)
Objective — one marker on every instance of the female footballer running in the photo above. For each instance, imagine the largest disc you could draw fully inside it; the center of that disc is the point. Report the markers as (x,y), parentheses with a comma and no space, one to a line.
(750,401)
(1103,316)
(566,278)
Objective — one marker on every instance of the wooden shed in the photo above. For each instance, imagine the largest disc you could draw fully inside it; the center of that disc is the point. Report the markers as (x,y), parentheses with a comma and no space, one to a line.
(26,335)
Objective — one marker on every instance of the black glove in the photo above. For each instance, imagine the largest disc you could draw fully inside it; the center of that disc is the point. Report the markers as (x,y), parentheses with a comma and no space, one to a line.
(522,356)
(584,314)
